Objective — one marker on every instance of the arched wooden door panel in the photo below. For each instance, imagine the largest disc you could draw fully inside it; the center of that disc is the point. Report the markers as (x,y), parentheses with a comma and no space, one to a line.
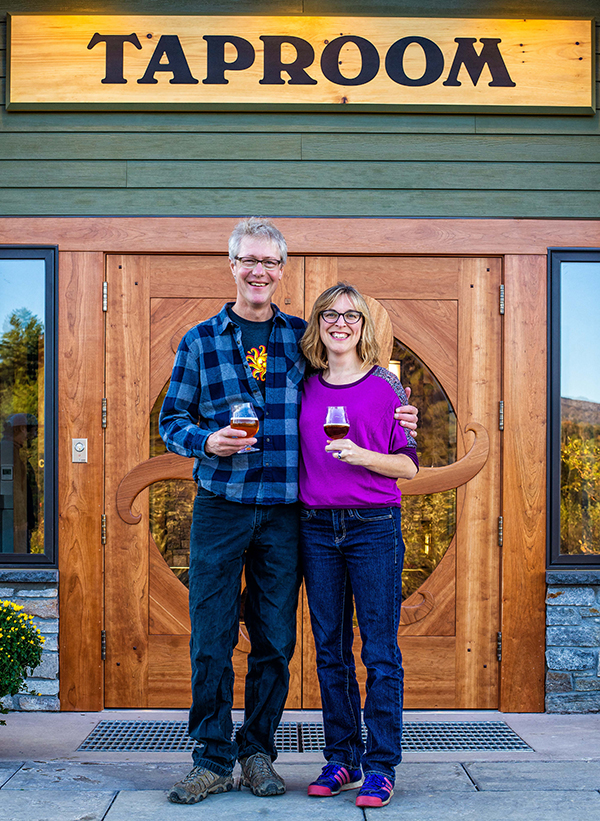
(445,310)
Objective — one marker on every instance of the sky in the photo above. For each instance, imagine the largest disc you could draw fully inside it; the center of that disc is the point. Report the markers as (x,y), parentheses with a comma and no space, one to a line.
(580,330)
(21,286)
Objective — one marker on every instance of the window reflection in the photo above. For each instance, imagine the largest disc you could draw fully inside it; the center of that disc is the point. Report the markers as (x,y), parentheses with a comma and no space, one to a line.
(428,521)
(580,408)
(22,297)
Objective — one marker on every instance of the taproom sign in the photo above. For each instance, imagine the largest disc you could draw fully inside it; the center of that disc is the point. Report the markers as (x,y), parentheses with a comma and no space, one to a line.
(299,63)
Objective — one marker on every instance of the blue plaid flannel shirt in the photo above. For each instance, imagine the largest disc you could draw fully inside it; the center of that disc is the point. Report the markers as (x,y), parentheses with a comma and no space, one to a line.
(209,374)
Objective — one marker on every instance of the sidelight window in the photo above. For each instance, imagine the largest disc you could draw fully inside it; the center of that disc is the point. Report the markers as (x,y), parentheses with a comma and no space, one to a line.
(574,412)
(27,401)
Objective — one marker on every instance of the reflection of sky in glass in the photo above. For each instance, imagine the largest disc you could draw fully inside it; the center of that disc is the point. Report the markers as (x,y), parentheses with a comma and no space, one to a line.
(22,285)
(580,330)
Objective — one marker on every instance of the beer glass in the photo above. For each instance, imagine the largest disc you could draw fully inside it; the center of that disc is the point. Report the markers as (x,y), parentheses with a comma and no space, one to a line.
(336,422)
(243,417)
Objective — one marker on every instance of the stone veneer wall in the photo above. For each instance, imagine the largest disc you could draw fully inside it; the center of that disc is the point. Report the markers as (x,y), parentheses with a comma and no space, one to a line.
(37,591)
(573,641)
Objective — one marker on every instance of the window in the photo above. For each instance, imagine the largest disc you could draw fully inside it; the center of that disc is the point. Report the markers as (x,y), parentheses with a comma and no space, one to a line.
(27,406)
(574,408)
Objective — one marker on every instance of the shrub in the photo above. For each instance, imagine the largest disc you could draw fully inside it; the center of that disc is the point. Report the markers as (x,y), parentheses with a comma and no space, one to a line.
(20,649)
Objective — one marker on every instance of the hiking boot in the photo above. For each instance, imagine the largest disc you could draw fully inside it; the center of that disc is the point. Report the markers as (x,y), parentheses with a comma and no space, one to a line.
(259,775)
(197,784)
(333,779)
(376,791)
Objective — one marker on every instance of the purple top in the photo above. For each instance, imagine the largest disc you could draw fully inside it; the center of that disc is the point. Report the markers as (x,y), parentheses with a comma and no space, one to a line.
(327,482)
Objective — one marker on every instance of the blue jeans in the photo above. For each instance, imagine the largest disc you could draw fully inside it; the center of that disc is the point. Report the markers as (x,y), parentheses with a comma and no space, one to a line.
(358,553)
(224,536)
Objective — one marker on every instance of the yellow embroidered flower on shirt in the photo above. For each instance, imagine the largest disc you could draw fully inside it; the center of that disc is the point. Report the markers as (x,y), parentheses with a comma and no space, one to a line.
(257,360)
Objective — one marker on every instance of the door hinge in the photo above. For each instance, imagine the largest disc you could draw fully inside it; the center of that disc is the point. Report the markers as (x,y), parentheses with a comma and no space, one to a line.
(501,415)
(103,645)
(500,530)
(103,528)
(499,646)
(105,296)
(501,305)
(104,411)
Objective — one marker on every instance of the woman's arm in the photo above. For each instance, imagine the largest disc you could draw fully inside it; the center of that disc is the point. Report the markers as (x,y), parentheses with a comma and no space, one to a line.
(394,465)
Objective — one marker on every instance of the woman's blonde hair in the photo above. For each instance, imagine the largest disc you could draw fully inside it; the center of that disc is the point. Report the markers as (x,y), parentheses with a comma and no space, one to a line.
(312,346)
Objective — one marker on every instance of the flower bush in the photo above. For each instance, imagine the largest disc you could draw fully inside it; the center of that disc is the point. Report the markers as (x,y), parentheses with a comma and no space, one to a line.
(20,649)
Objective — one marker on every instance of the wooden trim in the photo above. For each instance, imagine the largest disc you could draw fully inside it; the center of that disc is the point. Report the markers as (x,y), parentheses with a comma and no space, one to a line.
(80,495)
(465,237)
(524,486)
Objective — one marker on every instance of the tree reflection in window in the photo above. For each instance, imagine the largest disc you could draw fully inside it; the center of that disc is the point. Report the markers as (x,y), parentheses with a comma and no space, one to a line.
(171,503)
(428,521)
(22,417)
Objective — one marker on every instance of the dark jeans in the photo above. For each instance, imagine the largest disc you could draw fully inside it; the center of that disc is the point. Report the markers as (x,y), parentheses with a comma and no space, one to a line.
(360,553)
(224,536)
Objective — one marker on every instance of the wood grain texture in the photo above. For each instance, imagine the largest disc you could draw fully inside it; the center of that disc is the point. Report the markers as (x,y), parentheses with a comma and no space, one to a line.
(168,611)
(43,75)
(364,237)
(478,559)
(437,480)
(80,390)
(440,592)
(429,328)
(126,551)
(524,486)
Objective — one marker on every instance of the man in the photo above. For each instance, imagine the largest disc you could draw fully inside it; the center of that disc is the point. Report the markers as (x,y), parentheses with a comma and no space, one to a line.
(245,513)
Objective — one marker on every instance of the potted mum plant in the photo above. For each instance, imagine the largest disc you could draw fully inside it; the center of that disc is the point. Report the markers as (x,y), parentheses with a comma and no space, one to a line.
(20,650)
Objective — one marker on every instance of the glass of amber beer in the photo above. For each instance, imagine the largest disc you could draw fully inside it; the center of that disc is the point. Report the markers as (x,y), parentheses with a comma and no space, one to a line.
(336,422)
(243,417)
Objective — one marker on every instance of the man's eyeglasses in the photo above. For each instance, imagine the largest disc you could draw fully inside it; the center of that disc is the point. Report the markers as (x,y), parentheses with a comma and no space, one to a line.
(250,263)
(350,317)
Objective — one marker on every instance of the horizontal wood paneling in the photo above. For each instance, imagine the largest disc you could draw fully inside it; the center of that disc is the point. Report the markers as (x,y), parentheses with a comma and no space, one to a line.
(151,146)
(57,174)
(478,148)
(298,202)
(297,175)
(23,121)
(360,175)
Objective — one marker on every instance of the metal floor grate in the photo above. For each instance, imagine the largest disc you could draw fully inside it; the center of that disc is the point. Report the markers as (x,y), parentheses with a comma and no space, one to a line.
(299,737)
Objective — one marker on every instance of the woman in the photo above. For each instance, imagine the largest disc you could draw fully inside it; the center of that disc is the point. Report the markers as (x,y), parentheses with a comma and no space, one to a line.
(352,544)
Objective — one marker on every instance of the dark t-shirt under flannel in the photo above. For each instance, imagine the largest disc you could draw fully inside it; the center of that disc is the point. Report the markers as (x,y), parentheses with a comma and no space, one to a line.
(210,373)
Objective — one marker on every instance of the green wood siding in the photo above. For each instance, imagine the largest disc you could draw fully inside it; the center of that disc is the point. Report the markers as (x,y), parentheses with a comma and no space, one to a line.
(321,164)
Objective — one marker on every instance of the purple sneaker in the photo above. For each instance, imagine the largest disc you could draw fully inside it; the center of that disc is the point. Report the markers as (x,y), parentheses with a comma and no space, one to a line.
(376,791)
(334,779)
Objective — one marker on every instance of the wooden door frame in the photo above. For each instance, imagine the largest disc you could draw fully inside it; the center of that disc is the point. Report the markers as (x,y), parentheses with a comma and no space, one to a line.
(523,244)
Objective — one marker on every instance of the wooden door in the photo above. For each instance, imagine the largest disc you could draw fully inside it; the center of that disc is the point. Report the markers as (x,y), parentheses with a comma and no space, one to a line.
(152,302)
(446,312)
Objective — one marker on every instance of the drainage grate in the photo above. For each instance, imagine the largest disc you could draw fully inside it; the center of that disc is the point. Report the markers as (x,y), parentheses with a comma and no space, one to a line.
(293,737)
(167,736)
(441,736)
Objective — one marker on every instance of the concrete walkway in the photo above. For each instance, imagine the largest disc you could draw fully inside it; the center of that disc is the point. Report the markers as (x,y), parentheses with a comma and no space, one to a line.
(44,778)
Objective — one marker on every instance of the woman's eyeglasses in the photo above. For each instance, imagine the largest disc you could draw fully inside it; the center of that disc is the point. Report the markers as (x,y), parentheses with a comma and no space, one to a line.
(350,317)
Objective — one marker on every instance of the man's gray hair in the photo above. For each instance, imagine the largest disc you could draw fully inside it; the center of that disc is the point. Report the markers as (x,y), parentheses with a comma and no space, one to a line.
(257,227)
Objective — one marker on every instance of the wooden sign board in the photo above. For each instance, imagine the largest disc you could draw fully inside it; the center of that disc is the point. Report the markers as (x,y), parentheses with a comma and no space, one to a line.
(130,62)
